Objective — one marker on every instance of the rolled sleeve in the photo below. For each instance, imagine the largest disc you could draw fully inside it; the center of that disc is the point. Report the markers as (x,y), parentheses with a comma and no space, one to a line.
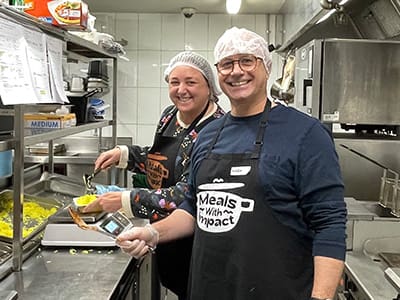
(123,159)
(126,203)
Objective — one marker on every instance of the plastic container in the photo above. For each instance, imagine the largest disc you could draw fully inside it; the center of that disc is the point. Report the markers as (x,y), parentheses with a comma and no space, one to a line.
(6,163)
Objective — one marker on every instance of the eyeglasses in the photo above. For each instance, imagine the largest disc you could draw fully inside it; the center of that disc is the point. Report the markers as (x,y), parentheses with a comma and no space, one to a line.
(246,64)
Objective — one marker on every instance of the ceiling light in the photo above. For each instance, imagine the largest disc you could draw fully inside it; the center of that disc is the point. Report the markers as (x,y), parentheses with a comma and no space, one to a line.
(233,6)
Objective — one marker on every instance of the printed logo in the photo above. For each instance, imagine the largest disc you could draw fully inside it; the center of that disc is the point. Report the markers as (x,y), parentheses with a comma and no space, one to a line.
(219,211)
(156,171)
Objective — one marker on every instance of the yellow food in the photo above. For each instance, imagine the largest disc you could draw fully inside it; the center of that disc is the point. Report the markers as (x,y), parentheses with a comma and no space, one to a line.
(34,215)
(85,200)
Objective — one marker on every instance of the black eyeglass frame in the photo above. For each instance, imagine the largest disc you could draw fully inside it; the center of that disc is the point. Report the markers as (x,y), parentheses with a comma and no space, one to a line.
(229,70)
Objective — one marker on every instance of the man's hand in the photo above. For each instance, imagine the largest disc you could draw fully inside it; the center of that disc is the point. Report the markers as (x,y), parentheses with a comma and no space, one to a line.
(138,240)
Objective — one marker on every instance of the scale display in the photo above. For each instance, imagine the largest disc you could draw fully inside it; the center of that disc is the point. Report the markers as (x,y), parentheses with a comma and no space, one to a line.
(116,223)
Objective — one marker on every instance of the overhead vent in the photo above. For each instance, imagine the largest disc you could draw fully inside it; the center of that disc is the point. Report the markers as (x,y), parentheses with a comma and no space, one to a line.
(387,15)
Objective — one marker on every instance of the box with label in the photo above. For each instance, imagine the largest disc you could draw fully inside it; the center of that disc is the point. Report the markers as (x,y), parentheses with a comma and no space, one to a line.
(49,121)
(72,14)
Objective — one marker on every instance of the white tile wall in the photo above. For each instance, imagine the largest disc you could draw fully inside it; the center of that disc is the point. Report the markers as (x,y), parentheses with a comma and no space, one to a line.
(152,40)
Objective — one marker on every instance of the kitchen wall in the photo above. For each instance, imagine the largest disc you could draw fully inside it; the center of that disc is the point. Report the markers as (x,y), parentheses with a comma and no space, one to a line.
(152,40)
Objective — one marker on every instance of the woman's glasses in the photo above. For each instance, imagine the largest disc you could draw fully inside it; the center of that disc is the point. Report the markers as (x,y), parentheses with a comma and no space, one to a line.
(246,63)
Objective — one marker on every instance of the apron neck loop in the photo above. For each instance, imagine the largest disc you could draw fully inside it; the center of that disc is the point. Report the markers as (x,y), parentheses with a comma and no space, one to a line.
(198,118)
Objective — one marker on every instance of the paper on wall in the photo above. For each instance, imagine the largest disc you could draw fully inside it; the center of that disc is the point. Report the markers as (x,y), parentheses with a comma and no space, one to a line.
(15,82)
(30,65)
(54,51)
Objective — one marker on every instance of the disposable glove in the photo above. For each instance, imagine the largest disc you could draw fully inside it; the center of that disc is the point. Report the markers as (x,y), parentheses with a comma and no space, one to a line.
(102,189)
(138,241)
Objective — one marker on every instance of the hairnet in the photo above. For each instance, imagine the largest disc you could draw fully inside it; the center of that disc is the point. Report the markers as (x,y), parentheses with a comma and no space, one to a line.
(198,62)
(242,41)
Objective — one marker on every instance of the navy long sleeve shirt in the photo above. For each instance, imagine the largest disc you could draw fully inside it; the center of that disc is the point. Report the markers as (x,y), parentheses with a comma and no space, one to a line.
(299,171)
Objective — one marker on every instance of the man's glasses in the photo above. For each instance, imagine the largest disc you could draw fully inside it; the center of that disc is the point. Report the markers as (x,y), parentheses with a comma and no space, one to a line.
(246,64)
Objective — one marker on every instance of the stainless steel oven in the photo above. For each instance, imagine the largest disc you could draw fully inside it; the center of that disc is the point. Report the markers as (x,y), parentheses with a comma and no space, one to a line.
(349,81)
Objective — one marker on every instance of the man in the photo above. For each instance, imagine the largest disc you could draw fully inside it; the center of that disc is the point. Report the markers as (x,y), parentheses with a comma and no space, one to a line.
(265,198)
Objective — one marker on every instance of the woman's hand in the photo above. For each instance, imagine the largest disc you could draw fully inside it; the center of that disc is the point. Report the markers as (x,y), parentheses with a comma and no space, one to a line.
(107,159)
(109,202)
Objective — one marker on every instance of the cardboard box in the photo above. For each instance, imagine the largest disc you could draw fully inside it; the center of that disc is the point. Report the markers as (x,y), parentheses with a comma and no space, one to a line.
(72,14)
(49,121)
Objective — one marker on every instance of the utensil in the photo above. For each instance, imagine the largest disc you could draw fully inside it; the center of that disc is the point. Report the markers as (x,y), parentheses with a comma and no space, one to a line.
(83,225)
(87,180)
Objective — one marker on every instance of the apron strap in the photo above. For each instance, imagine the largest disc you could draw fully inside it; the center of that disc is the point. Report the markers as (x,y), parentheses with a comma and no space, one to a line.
(217,135)
(260,135)
(261,129)
(198,118)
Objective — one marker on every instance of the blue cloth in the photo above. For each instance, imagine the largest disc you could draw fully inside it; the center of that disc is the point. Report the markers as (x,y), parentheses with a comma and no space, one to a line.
(102,189)
(298,168)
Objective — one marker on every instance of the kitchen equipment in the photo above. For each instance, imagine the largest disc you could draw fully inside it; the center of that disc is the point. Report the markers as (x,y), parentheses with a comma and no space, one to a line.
(277,91)
(62,231)
(331,76)
(393,276)
(6,161)
(112,226)
(389,189)
(78,84)
(63,217)
(283,87)
(37,211)
(98,69)
(43,148)
(87,180)
(82,224)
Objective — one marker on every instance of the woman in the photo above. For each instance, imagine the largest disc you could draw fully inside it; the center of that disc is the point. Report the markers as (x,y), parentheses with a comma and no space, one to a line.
(193,92)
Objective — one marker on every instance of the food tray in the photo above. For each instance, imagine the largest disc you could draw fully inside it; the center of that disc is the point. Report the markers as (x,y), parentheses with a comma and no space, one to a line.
(63,189)
(37,222)
(43,148)
(55,186)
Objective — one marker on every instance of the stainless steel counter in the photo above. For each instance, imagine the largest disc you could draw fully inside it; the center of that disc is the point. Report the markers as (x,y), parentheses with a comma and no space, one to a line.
(366,279)
(60,273)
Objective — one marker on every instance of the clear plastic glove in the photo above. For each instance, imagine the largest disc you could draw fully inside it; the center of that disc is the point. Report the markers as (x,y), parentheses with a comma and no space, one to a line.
(102,189)
(138,241)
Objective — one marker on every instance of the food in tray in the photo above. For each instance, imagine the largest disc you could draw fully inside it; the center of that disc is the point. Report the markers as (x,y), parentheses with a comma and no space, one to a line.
(84,200)
(81,202)
(34,215)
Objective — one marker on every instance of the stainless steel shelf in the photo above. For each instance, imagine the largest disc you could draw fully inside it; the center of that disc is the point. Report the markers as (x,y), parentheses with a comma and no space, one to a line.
(74,43)
(42,135)
(78,49)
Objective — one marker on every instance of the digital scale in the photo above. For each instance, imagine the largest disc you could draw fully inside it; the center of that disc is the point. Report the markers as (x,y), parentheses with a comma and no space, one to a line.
(61,231)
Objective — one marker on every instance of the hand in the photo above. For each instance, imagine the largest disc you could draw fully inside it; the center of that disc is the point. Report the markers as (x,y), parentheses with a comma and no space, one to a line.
(138,240)
(107,159)
(108,202)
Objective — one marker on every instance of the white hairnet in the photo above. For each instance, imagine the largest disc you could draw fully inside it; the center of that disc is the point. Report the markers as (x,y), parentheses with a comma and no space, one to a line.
(242,41)
(194,60)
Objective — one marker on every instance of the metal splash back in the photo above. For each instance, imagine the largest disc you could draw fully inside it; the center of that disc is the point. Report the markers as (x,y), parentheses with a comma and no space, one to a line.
(360,82)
